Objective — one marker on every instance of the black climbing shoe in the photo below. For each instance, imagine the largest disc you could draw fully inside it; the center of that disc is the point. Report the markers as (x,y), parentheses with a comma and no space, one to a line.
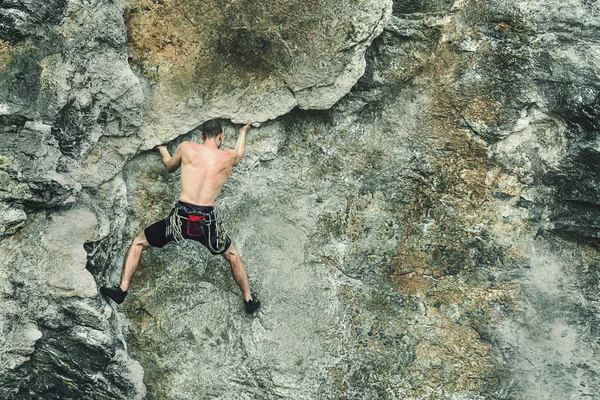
(252,305)
(115,294)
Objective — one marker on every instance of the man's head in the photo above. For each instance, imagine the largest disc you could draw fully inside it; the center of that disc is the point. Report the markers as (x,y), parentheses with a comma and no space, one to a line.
(211,129)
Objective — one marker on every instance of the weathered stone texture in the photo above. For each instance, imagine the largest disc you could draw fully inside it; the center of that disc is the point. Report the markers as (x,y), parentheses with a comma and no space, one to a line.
(428,231)
(64,84)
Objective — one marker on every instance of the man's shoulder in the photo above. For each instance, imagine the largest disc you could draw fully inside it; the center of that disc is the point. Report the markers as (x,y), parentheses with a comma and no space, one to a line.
(187,146)
(230,153)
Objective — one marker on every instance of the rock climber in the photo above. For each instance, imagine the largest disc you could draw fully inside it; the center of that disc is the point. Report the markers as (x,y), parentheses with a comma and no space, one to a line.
(204,170)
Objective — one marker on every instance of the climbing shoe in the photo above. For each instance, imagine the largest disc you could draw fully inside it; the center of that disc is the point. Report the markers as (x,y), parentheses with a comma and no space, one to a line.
(115,294)
(252,305)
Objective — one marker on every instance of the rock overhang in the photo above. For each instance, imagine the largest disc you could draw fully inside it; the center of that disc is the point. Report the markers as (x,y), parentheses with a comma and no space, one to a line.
(204,59)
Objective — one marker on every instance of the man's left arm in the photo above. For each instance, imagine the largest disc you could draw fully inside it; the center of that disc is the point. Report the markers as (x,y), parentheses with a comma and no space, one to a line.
(240,146)
(171,163)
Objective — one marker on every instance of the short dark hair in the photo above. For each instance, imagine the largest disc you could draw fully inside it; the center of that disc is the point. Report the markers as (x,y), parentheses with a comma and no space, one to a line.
(211,129)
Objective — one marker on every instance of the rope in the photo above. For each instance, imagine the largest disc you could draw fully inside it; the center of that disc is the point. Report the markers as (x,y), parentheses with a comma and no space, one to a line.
(175,225)
(219,231)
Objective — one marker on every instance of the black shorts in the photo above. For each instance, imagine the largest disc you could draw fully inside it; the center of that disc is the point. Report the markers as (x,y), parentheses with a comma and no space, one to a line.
(188,221)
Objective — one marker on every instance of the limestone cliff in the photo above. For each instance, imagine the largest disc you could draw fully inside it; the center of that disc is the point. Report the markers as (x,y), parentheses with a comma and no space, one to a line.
(418,207)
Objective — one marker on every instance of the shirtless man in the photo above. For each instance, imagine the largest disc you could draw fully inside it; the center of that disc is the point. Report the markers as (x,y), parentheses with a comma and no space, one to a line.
(204,170)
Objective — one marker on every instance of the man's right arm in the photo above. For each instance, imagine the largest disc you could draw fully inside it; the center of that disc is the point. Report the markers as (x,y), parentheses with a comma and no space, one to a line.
(240,147)
(171,163)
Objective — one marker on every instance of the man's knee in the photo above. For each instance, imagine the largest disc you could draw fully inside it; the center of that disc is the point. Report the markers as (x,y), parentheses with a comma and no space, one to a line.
(231,254)
(140,240)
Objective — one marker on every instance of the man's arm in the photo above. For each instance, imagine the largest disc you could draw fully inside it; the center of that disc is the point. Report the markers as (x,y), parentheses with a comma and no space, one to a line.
(240,146)
(171,163)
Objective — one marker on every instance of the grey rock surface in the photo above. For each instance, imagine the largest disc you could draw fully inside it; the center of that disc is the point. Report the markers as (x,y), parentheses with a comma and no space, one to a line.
(64,85)
(59,339)
(429,231)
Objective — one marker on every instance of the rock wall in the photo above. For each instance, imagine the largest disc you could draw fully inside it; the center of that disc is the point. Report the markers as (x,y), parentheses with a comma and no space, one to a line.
(418,209)
(69,105)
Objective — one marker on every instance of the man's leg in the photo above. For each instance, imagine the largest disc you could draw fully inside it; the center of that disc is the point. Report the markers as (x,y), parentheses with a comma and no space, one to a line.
(132,260)
(239,271)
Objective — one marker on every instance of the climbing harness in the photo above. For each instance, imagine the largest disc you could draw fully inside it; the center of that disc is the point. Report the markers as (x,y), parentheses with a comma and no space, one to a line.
(204,221)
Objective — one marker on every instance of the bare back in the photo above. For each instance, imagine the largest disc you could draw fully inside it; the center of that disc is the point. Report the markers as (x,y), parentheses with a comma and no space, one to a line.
(204,171)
